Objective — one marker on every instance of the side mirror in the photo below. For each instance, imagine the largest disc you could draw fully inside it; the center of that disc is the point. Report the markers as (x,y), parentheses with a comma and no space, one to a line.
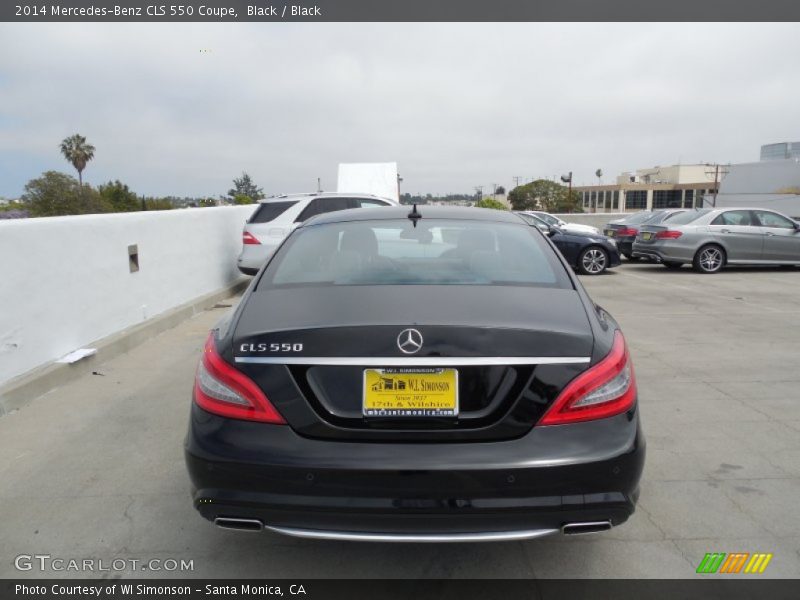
(796,226)
(552,231)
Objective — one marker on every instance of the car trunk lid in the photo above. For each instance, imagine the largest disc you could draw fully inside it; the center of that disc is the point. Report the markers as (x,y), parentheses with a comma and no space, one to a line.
(310,350)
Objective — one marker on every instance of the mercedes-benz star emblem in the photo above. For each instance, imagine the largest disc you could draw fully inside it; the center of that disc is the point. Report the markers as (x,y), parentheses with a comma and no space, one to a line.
(409,341)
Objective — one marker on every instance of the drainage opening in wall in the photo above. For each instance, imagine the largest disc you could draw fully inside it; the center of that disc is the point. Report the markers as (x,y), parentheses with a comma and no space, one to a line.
(133,258)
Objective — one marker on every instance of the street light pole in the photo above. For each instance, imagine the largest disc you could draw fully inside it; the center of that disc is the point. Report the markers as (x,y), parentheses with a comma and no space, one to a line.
(568,179)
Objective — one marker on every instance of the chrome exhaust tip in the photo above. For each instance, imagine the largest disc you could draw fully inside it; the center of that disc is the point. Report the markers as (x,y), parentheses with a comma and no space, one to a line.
(585,527)
(239,524)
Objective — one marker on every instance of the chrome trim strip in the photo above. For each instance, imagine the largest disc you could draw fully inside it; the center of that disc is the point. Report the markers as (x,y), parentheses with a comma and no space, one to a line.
(361,536)
(416,361)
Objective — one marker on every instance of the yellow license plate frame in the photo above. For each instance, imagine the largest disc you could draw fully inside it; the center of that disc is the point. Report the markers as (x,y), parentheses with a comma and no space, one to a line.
(410,392)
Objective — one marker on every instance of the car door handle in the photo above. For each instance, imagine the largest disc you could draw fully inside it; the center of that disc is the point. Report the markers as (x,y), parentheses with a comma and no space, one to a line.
(724,230)
(769,233)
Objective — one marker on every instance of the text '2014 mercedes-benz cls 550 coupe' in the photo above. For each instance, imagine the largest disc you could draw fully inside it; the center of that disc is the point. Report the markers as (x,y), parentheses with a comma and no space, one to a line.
(423,374)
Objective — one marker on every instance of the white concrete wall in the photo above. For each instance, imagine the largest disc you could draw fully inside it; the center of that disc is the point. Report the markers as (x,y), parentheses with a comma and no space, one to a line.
(65,281)
(593,219)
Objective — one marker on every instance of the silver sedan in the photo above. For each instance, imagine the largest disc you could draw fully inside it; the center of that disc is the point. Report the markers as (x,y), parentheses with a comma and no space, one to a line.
(709,239)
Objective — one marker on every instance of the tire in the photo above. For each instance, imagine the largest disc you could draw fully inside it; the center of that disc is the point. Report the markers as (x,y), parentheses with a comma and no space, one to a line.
(631,257)
(592,261)
(672,265)
(709,259)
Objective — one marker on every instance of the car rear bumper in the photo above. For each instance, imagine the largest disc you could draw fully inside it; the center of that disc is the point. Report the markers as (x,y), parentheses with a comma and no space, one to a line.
(614,257)
(253,256)
(624,245)
(269,476)
(661,253)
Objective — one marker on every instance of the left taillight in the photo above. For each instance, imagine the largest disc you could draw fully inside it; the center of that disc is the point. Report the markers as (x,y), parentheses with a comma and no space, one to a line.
(669,234)
(605,390)
(223,390)
(248,238)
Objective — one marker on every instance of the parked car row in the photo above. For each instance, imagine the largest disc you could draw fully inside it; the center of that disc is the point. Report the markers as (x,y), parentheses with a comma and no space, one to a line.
(708,239)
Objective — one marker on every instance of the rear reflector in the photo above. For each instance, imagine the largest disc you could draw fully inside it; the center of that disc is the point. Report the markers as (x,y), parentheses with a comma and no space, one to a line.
(605,390)
(223,390)
(249,238)
(668,235)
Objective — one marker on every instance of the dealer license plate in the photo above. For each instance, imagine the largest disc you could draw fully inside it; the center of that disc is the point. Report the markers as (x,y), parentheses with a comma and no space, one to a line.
(610,232)
(410,392)
(647,236)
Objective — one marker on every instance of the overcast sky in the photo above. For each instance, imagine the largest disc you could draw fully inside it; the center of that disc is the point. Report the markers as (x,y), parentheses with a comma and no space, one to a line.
(456,105)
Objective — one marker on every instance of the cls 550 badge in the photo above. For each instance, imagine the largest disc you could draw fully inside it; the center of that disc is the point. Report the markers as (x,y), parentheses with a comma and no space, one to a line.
(274,347)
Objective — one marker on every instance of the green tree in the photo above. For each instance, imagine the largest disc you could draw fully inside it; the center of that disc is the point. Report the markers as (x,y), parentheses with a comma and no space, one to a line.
(78,152)
(56,193)
(242,199)
(159,204)
(244,186)
(491,203)
(545,195)
(119,196)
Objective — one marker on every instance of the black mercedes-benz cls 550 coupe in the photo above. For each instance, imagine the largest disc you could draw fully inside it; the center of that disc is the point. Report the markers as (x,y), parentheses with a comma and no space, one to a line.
(425,374)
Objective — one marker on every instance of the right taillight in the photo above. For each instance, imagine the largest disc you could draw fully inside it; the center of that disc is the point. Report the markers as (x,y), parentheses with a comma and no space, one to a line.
(668,235)
(605,390)
(223,390)
(249,238)
(627,231)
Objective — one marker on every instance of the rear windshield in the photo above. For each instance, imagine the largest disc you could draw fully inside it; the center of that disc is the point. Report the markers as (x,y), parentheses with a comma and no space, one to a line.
(639,217)
(687,217)
(659,217)
(535,221)
(267,211)
(546,218)
(436,252)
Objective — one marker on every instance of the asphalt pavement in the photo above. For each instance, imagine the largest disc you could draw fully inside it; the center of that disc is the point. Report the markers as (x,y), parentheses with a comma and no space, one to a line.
(94,469)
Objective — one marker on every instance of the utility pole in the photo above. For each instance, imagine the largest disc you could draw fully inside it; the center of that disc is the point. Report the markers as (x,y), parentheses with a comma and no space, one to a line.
(319,184)
(516,179)
(719,175)
(494,191)
(479,191)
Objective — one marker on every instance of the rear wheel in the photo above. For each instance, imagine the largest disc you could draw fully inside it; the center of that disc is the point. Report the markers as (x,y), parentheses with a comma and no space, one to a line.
(709,259)
(672,265)
(592,261)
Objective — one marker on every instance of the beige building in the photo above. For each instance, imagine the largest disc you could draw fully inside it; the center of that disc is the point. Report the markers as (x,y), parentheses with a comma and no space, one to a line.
(674,186)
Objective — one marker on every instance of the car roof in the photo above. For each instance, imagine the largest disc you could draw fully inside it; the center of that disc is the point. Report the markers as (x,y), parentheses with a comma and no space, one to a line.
(299,196)
(430,212)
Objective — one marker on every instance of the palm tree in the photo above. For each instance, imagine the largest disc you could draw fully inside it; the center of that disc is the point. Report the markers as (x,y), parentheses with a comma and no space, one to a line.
(78,152)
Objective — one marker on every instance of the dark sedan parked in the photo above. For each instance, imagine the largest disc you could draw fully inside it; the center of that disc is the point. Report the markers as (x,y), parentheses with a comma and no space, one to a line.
(625,230)
(590,254)
(433,375)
